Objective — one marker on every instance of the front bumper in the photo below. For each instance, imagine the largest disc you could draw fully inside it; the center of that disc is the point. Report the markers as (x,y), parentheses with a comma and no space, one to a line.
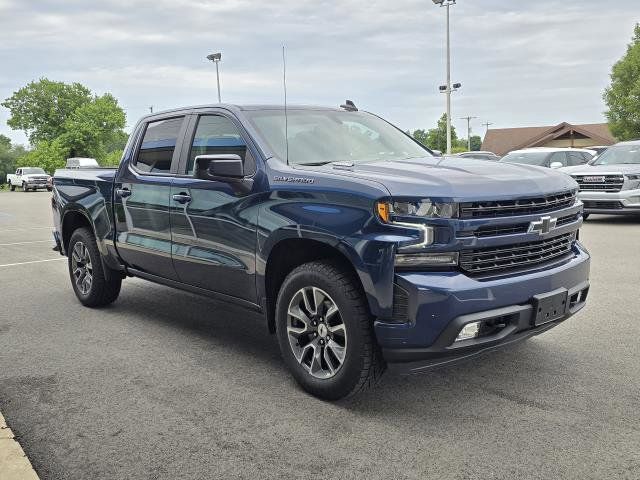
(624,202)
(440,303)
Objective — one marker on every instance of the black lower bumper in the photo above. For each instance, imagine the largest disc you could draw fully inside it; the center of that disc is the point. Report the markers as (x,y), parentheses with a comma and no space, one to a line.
(519,324)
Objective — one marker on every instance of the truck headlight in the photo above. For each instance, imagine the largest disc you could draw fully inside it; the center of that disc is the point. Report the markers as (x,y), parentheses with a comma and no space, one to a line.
(425,208)
(408,214)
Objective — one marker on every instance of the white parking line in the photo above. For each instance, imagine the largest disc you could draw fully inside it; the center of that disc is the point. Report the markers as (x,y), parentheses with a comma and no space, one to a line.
(33,261)
(24,243)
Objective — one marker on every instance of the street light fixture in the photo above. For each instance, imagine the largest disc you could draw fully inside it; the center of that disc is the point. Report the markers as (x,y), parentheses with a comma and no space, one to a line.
(447,88)
(215,58)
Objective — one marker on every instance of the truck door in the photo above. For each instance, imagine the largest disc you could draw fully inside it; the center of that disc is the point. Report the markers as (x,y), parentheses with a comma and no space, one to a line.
(142,193)
(213,224)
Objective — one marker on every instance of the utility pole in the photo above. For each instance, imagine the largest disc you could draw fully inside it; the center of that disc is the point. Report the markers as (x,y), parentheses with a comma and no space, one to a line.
(151,108)
(486,124)
(468,119)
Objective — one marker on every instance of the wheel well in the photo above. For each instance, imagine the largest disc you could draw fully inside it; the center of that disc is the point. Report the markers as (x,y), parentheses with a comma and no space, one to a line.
(289,254)
(70,223)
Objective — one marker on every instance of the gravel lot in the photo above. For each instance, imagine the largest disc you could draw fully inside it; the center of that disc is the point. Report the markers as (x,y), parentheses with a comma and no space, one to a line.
(166,385)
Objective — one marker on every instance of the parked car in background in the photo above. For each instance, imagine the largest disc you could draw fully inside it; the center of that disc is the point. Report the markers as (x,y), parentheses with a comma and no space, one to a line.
(480,155)
(359,251)
(28,178)
(611,183)
(550,157)
(82,162)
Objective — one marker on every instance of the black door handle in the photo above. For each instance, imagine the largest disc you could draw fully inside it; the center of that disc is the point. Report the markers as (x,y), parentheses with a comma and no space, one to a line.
(181,197)
(123,192)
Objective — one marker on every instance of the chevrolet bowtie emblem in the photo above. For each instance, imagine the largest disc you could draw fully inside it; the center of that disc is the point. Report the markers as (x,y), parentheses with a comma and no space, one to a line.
(542,226)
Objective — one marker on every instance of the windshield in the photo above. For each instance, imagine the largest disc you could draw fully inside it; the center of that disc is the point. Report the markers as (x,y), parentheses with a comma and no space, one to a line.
(621,154)
(528,158)
(33,171)
(317,137)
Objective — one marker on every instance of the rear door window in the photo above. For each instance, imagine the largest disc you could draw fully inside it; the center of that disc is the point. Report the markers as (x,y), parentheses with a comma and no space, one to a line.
(158,145)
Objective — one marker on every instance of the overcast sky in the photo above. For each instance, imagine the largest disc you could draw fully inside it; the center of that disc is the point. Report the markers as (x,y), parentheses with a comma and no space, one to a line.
(521,63)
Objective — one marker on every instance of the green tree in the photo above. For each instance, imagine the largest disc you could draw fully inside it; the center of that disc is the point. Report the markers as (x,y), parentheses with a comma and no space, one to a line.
(421,136)
(66,120)
(93,128)
(47,155)
(436,138)
(623,95)
(41,108)
(476,143)
(9,155)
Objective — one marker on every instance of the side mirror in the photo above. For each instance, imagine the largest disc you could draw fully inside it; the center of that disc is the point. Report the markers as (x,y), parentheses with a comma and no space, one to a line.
(556,165)
(224,168)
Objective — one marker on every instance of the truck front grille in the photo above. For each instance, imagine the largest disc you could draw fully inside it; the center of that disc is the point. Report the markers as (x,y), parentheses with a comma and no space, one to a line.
(522,206)
(520,255)
(600,183)
(604,204)
(518,228)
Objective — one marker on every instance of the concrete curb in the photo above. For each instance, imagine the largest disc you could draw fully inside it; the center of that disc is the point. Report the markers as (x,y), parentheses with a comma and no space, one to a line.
(14,464)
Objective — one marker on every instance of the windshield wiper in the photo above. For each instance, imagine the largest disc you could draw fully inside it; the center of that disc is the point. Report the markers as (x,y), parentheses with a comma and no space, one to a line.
(314,164)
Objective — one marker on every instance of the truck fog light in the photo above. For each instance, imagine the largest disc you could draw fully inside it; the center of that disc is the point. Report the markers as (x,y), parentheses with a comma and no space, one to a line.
(470,330)
(426,259)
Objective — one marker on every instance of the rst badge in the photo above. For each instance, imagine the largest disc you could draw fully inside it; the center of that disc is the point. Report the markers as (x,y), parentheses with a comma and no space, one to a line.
(593,179)
(542,226)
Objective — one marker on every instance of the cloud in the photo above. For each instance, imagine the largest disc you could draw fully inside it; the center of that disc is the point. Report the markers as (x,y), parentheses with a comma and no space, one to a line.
(521,63)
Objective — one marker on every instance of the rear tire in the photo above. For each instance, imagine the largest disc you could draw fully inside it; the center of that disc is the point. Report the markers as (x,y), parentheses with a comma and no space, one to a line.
(328,343)
(88,279)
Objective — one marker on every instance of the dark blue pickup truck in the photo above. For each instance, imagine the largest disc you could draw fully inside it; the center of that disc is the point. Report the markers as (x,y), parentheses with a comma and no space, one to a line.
(361,250)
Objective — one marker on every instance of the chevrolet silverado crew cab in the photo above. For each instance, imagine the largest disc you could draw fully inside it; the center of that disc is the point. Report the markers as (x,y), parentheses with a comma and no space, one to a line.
(358,247)
(611,183)
(28,178)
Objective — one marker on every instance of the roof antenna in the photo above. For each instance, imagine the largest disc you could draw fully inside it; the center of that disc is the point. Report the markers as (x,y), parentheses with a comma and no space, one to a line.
(286,119)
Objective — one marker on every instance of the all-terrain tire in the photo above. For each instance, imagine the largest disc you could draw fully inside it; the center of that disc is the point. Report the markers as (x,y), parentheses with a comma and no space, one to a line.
(102,290)
(363,364)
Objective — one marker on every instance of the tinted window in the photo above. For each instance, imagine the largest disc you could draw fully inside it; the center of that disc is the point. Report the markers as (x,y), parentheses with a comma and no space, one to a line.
(158,144)
(577,158)
(217,135)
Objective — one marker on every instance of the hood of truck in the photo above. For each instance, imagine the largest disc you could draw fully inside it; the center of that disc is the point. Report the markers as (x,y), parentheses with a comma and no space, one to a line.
(458,179)
(602,169)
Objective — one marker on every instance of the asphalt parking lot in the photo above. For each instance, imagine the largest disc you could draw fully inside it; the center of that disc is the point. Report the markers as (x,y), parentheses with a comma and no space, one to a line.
(165,385)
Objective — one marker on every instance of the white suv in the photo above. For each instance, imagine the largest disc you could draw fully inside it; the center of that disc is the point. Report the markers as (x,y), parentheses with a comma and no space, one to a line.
(611,183)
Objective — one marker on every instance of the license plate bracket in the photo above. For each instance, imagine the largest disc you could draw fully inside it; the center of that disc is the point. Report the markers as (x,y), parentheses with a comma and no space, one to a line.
(549,306)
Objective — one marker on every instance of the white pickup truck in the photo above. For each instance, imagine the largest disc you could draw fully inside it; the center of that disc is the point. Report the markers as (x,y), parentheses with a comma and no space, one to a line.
(29,178)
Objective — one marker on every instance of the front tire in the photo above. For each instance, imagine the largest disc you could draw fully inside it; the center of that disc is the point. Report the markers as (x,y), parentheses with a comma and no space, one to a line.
(12,187)
(585,216)
(325,331)
(90,284)
(24,187)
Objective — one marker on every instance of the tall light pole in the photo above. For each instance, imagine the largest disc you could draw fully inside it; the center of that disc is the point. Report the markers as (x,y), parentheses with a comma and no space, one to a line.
(448,90)
(215,58)
(468,119)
